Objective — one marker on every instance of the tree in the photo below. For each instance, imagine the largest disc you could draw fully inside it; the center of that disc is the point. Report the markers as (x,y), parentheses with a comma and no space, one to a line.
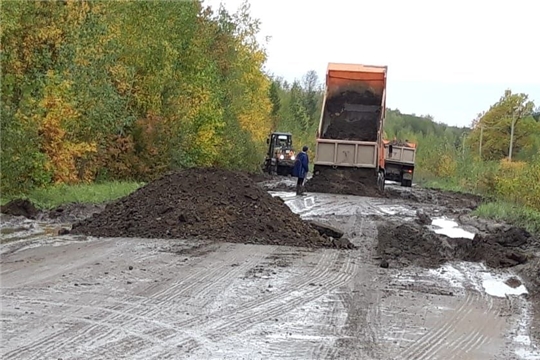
(310,85)
(276,103)
(495,126)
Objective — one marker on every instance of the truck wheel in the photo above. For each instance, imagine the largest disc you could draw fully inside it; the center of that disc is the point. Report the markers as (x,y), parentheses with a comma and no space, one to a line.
(380,181)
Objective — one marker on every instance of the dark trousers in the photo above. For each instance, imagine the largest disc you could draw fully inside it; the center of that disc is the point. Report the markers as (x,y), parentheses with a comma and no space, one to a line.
(300,182)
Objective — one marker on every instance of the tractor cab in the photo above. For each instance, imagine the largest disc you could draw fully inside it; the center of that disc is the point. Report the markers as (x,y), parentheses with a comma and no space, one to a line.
(280,156)
(280,145)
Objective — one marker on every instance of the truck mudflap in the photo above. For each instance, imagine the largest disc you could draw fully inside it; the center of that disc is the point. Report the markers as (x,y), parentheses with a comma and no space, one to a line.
(407,176)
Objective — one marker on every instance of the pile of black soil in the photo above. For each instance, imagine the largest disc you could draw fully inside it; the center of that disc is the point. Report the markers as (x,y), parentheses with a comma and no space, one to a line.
(400,143)
(345,123)
(260,176)
(20,207)
(207,203)
(412,243)
(345,181)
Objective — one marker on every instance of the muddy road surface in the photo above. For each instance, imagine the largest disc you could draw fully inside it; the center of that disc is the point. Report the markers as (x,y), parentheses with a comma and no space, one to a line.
(80,297)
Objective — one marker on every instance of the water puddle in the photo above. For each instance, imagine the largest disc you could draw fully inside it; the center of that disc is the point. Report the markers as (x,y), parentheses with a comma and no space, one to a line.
(455,277)
(496,286)
(450,228)
(525,349)
(396,210)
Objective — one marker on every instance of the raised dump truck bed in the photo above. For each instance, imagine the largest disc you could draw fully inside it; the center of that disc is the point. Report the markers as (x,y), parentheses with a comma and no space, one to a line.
(349,154)
(353,115)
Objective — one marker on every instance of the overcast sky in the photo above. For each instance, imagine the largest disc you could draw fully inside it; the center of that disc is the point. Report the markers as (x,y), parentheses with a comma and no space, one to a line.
(449,59)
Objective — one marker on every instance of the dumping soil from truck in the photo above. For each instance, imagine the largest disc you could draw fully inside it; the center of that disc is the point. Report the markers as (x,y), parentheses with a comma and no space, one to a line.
(351,125)
(414,244)
(348,181)
(207,203)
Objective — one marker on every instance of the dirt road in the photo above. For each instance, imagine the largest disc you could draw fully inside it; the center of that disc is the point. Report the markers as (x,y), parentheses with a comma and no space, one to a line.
(77,297)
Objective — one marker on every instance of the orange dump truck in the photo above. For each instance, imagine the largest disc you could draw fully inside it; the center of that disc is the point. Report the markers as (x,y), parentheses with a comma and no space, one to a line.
(399,161)
(349,139)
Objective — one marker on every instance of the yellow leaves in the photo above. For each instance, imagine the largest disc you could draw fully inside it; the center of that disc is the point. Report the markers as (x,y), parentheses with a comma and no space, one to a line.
(208,143)
(77,10)
(519,182)
(120,77)
(49,34)
(512,166)
(56,113)
(446,166)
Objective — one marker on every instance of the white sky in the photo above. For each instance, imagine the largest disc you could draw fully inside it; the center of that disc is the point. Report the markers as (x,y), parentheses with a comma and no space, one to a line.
(450,59)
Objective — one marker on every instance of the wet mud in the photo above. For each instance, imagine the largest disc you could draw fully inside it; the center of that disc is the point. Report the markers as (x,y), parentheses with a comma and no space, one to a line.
(414,244)
(352,181)
(345,124)
(20,207)
(204,203)
(192,298)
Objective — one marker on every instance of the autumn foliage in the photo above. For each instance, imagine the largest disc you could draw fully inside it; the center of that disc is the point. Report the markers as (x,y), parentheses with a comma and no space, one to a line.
(127,90)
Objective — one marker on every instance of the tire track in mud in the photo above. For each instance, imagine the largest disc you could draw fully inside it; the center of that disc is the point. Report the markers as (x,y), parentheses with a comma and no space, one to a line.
(193,282)
(445,325)
(433,343)
(324,351)
(330,351)
(277,304)
(362,304)
(477,337)
(217,326)
(207,282)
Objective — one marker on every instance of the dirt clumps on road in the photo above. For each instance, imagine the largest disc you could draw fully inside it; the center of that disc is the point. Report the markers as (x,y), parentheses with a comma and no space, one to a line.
(73,212)
(412,243)
(206,203)
(450,199)
(346,124)
(20,207)
(352,181)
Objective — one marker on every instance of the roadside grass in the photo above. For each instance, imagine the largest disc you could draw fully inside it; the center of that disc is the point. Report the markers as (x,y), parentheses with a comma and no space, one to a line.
(518,215)
(48,198)
(441,184)
(499,210)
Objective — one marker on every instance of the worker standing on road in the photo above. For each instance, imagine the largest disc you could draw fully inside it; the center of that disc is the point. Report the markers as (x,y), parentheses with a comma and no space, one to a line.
(300,170)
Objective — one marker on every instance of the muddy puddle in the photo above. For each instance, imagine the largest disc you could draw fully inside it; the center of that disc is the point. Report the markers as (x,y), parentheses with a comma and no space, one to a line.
(317,205)
(502,293)
(450,228)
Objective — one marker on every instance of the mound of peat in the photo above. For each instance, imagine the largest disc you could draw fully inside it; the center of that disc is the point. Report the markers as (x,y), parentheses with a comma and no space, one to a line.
(412,243)
(206,203)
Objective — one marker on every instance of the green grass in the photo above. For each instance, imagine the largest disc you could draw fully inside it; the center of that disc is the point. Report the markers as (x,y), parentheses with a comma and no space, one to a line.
(441,184)
(511,213)
(518,215)
(51,197)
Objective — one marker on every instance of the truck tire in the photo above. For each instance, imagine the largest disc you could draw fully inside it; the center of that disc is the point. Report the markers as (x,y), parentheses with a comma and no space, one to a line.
(381,181)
